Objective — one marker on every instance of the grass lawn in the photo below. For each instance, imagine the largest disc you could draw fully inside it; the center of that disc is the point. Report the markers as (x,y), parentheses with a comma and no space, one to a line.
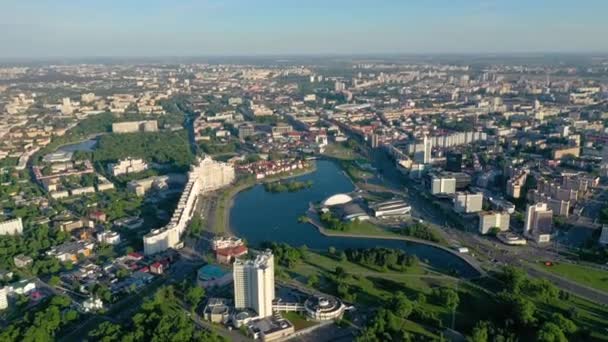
(367,228)
(339,151)
(299,322)
(588,276)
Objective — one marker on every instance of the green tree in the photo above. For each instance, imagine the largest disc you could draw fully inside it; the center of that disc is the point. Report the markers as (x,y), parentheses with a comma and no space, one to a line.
(401,305)
(194,295)
(313,281)
(107,332)
(54,280)
(480,332)
(550,332)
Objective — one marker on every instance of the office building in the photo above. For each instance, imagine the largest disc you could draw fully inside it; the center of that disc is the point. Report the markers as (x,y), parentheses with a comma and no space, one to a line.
(254,283)
(453,161)
(493,219)
(538,222)
(468,203)
(207,175)
(11,227)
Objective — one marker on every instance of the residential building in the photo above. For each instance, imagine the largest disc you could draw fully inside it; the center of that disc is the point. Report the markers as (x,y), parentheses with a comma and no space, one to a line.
(443,184)
(539,222)
(493,219)
(3,298)
(206,175)
(468,202)
(70,251)
(22,261)
(516,183)
(11,227)
(135,126)
(127,166)
(254,283)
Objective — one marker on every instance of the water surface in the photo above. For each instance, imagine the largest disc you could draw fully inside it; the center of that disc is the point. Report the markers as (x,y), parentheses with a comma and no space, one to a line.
(259,216)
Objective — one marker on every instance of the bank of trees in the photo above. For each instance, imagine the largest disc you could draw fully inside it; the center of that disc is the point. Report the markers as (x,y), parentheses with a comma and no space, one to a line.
(518,314)
(389,323)
(384,258)
(43,324)
(33,243)
(284,254)
(421,231)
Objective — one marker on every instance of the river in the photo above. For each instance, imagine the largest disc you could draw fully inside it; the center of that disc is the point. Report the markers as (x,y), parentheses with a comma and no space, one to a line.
(259,216)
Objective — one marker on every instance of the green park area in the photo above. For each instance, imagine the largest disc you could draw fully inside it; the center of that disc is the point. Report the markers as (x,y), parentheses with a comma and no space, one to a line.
(591,277)
(411,299)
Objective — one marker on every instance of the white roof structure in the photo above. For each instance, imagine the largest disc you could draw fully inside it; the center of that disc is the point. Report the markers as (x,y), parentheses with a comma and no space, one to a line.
(337,200)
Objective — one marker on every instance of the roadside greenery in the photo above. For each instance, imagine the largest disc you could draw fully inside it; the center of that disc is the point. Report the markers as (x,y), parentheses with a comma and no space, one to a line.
(160,318)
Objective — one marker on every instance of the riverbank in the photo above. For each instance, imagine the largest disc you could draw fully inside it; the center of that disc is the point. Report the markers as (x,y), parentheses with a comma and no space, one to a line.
(325,232)
(221,212)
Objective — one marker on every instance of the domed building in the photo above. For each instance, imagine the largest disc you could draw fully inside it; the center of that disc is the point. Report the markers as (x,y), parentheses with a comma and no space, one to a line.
(337,199)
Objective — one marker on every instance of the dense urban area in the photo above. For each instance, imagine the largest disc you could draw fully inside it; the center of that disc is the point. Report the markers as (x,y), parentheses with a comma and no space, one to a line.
(305,199)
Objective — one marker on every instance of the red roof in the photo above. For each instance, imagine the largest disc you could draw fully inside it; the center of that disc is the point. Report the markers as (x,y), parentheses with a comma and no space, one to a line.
(98,213)
(135,255)
(157,264)
(234,251)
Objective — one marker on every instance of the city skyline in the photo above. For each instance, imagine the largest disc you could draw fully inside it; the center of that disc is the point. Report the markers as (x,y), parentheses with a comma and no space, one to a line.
(40,29)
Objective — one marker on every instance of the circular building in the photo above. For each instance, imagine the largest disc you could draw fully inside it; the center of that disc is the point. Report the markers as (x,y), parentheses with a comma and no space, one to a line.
(337,199)
(320,308)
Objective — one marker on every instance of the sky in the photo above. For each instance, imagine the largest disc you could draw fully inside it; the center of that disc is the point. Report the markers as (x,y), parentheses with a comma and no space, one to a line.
(150,28)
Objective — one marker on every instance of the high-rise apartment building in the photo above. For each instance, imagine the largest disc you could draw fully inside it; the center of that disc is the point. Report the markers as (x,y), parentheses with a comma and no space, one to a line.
(539,222)
(441,184)
(493,219)
(468,203)
(422,153)
(254,283)
(207,175)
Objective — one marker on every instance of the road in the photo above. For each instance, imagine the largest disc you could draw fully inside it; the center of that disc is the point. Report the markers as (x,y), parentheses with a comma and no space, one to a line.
(397,183)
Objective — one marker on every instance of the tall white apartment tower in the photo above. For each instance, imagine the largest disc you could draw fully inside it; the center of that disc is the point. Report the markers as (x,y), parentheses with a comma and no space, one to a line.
(427,146)
(422,152)
(254,283)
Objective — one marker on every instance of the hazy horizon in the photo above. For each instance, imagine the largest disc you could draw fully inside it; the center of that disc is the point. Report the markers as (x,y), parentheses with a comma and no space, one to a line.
(68,29)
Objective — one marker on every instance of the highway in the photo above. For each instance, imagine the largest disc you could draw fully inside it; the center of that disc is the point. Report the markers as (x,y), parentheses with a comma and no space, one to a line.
(497,253)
